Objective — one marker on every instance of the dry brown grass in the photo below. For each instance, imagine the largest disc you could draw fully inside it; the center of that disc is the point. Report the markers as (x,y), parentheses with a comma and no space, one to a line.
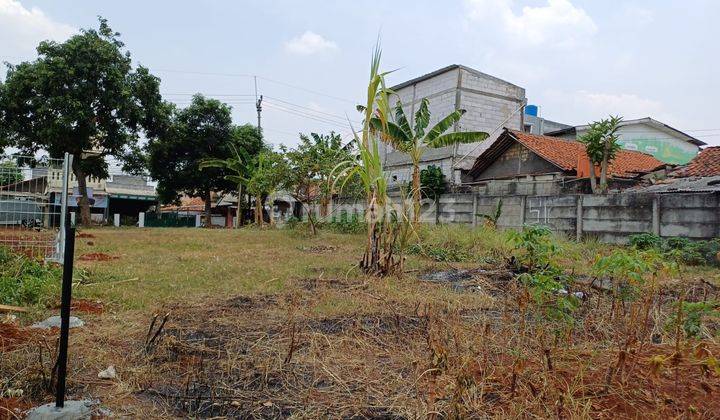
(265,325)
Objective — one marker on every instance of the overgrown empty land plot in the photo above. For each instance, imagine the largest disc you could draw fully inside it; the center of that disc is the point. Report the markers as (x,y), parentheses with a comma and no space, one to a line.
(275,324)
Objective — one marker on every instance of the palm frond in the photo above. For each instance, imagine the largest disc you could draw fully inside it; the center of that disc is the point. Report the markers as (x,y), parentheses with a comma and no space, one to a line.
(401,119)
(213,163)
(455,138)
(443,125)
(422,118)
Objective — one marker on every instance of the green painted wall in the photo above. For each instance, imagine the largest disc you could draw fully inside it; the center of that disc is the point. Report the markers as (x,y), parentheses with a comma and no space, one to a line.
(675,152)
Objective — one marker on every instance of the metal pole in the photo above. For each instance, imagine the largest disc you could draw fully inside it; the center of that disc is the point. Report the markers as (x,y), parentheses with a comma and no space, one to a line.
(67,165)
(65,315)
(258,106)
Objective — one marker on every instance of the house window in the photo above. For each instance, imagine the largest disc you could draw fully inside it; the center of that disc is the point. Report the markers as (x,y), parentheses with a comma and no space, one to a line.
(528,128)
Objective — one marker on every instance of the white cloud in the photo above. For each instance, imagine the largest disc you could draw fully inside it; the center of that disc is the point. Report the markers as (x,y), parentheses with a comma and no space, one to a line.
(557,24)
(639,15)
(309,43)
(22,29)
(582,106)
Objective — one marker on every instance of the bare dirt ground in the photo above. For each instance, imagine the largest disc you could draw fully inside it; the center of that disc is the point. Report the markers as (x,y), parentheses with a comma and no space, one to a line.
(267,325)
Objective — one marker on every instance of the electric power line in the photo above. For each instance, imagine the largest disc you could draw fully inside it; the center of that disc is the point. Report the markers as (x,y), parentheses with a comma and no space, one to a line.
(308,116)
(343,118)
(267,79)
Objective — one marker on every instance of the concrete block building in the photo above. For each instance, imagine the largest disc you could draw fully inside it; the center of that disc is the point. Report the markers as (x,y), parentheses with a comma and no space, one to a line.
(491,104)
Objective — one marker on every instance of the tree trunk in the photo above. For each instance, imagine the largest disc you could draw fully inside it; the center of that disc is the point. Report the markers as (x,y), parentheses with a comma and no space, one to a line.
(84,202)
(603,174)
(593,178)
(238,213)
(604,167)
(258,211)
(208,210)
(416,193)
(324,203)
(271,214)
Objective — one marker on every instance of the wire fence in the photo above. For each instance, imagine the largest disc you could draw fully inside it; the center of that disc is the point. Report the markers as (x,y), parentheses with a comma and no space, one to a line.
(33,202)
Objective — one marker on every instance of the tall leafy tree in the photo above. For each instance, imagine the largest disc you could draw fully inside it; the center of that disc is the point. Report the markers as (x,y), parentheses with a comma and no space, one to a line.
(312,162)
(197,133)
(248,138)
(268,173)
(415,140)
(601,146)
(81,97)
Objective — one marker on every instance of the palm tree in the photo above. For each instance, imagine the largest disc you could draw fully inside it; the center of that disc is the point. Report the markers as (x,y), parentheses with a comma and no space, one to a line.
(414,141)
(269,171)
(240,168)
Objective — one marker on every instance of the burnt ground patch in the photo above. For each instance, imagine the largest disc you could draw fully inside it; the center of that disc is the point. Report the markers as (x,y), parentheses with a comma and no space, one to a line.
(246,357)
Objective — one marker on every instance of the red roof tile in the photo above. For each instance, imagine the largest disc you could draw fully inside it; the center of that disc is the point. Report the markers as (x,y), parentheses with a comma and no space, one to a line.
(706,163)
(565,154)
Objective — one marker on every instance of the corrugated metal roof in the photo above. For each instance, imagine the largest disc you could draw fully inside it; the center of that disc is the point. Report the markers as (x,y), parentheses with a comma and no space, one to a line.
(691,184)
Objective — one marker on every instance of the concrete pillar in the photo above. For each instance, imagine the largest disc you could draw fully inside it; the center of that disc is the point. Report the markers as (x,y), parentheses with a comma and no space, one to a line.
(141,219)
(198,220)
(579,218)
(475,208)
(656,215)
(116,220)
(523,204)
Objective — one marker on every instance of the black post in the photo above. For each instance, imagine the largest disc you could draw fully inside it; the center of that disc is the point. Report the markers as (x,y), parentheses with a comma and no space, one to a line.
(65,315)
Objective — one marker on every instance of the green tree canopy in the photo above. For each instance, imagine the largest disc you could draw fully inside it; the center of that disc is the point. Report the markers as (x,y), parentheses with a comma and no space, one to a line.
(200,132)
(268,173)
(78,96)
(9,173)
(312,163)
(601,146)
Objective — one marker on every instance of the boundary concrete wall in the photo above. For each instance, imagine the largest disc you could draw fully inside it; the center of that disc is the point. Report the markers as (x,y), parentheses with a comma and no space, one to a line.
(608,218)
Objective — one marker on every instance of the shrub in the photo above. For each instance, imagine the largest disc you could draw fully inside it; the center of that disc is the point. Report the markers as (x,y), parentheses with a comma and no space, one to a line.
(345,225)
(25,281)
(693,316)
(682,250)
(645,241)
(534,246)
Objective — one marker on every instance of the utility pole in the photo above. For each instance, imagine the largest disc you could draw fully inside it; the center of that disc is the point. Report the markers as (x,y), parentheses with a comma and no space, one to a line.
(258,104)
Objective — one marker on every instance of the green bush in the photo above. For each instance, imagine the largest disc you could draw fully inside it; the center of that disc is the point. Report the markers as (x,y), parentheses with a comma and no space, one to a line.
(694,316)
(645,241)
(682,250)
(534,246)
(25,281)
(345,225)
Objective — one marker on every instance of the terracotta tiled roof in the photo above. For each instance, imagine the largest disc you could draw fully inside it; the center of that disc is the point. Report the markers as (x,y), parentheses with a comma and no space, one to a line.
(186,204)
(565,154)
(706,163)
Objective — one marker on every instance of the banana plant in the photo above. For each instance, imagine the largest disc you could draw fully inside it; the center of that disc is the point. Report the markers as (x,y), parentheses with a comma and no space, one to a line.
(241,170)
(382,231)
(413,141)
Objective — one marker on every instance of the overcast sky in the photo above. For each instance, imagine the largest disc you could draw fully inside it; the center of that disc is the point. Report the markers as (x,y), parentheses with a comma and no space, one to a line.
(578,60)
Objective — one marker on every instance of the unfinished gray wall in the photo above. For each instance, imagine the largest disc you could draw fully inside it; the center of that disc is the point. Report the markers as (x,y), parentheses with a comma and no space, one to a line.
(612,218)
(608,218)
